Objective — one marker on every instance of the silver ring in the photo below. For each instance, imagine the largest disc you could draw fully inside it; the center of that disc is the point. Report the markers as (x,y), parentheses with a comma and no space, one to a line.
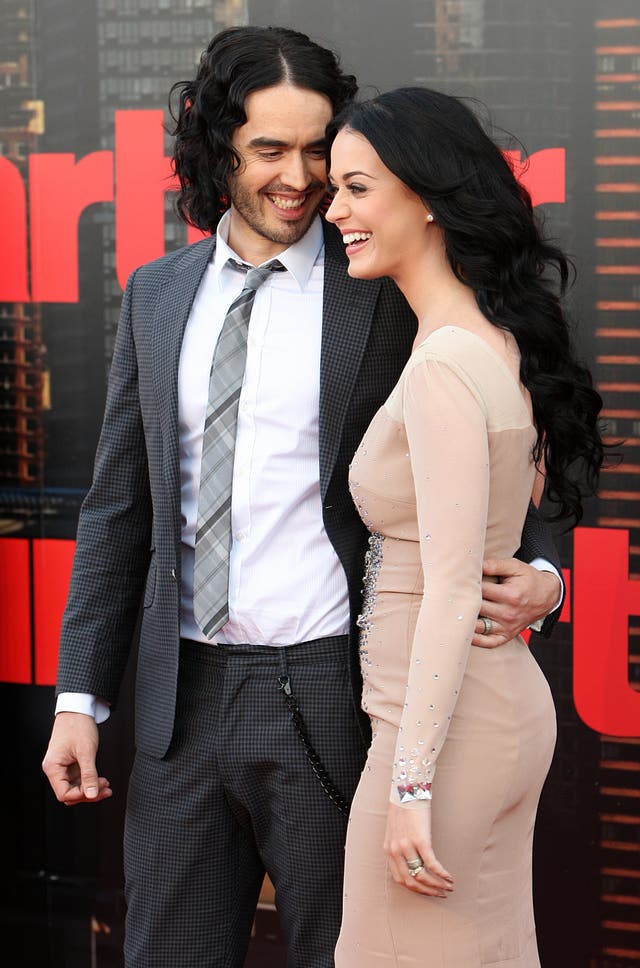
(414,871)
(488,625)
(415,864)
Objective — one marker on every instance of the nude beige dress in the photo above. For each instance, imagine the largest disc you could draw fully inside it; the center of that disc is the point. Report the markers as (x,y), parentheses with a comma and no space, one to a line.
(443,478)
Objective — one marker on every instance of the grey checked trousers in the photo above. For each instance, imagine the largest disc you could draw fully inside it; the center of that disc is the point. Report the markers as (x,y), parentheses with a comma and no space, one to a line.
(235,796)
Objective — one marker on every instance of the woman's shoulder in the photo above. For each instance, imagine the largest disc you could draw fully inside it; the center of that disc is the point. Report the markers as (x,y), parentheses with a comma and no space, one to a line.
(479,365)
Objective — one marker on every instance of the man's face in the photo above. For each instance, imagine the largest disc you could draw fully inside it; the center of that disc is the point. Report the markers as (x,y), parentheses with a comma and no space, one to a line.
(281,181)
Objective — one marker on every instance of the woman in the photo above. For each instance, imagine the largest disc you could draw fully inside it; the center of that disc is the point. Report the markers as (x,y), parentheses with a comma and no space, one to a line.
(492,393)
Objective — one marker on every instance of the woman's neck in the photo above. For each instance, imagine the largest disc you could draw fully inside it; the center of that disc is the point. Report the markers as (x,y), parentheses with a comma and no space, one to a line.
(435,294)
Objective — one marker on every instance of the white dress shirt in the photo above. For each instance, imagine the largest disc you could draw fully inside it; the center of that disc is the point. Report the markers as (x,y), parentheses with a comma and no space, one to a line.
(286,582)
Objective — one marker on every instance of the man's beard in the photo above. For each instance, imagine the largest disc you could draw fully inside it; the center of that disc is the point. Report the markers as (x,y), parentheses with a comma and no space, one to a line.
(247,205)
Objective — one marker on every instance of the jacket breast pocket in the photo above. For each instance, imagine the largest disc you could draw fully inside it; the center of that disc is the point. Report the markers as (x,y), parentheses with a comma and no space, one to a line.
(150,587)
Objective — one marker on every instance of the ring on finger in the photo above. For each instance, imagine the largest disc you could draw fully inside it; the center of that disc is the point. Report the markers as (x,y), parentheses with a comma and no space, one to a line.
(488,625)
(414,871)
(415,863)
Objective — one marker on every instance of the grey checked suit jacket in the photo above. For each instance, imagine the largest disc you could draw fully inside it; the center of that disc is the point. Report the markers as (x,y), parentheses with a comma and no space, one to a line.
(128,542)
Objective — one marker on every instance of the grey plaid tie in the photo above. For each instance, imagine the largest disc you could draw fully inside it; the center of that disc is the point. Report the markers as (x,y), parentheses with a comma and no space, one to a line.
(213,532)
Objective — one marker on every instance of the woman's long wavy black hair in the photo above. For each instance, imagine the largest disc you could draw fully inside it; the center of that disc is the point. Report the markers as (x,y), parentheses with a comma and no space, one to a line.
(437,147)
(237,62)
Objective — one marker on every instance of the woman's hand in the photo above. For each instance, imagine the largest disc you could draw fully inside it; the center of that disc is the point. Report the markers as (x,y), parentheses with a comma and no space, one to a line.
(407,838)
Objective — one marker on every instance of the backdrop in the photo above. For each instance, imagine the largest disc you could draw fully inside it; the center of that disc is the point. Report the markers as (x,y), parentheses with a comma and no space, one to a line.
(86,196)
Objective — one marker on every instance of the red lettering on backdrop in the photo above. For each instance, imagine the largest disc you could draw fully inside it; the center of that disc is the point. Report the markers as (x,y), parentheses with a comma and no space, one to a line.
(60,190)
(543,174)
(604,597)
(143,175)
(14,286)
(52,561)
(15,608)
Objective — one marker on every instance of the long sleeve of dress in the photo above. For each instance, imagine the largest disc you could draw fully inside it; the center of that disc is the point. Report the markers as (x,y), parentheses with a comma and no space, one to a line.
(446,429)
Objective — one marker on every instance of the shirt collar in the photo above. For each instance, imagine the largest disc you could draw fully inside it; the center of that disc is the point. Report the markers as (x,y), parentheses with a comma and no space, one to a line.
(299,258)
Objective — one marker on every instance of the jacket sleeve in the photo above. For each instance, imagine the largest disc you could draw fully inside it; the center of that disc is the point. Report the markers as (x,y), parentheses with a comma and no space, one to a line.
(537,542)
(113,539)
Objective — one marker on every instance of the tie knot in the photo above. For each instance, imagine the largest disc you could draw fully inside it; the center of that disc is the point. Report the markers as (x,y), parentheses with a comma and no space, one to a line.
(255,277)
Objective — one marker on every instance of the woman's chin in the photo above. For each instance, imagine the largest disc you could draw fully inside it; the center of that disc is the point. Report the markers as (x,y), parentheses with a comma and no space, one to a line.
(359,271)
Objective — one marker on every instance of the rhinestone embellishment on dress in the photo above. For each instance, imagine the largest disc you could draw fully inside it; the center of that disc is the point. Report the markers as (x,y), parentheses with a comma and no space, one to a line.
(372,565)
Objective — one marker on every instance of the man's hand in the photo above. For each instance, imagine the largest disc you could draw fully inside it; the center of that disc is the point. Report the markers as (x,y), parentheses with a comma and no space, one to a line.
(70,760)
(520,597)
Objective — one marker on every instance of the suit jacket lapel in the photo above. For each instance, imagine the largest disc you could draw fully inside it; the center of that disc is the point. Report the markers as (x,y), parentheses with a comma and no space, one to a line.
(348,310)
(175,298)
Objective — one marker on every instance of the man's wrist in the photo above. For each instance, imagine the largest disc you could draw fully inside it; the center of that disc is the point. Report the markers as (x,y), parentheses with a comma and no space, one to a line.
(83,702)
(541,564)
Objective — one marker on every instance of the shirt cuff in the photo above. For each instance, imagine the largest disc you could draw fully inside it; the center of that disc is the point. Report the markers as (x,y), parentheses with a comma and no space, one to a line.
(83,702)
(543,565)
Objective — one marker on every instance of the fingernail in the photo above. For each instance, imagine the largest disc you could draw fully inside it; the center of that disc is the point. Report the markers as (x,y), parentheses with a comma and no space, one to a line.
(92,792)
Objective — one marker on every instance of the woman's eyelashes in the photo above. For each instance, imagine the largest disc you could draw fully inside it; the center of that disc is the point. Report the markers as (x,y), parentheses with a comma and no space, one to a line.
(352,187)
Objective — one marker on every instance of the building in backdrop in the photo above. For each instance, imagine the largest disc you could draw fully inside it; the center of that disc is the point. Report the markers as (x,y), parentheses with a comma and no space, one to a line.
(615,263)
(24,376)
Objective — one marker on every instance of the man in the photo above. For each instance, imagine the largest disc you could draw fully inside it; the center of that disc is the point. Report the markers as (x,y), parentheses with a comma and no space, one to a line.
(225,784)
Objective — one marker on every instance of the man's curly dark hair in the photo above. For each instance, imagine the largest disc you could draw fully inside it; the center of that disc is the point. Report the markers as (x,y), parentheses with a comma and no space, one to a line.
(237,62)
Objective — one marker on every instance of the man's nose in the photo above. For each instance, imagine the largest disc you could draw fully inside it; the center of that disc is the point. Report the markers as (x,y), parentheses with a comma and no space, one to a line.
(296,173)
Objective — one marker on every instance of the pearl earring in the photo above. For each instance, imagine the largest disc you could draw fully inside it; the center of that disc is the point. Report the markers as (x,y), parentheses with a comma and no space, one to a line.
(429,217)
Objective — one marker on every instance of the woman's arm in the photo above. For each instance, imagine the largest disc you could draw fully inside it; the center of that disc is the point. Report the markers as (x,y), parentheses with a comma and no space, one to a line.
(448,448)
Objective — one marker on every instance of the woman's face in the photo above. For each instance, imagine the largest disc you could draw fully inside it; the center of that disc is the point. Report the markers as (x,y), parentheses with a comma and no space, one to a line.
(382,222)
